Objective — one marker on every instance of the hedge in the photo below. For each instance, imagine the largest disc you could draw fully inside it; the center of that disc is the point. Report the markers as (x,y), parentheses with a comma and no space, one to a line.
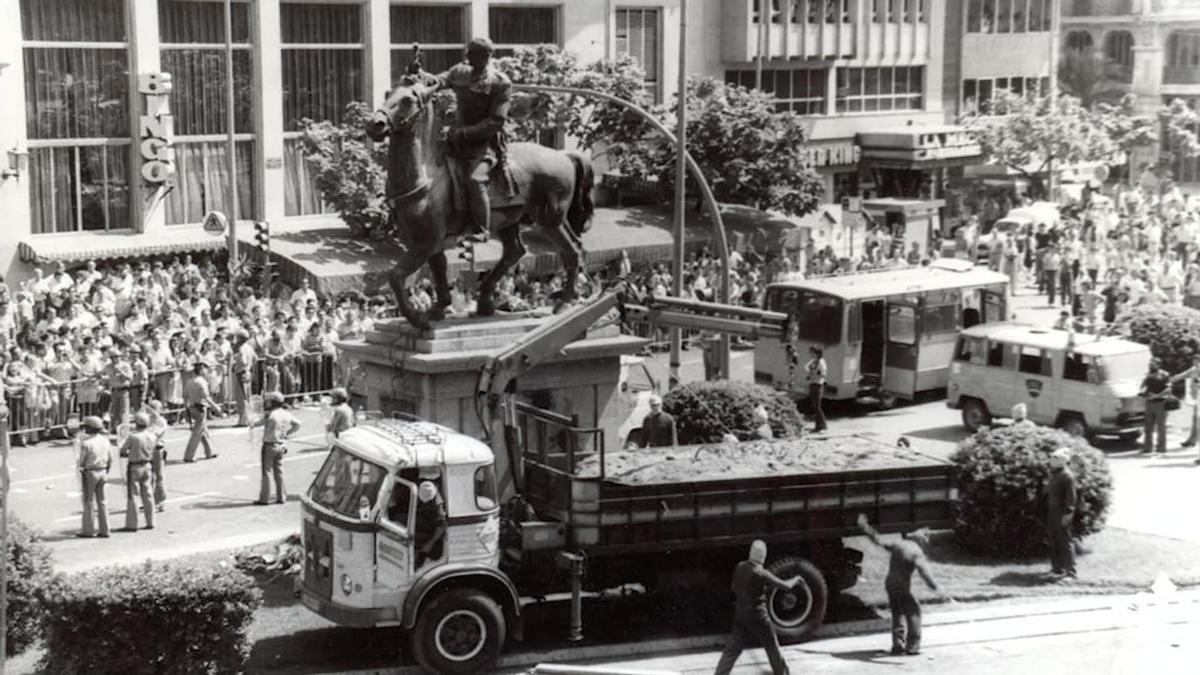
(28,573)
(704,411)
(1172,333)
(1002,478)
(158,618)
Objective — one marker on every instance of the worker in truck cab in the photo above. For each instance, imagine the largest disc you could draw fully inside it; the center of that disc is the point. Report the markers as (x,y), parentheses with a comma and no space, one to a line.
(430,525)
(658,427)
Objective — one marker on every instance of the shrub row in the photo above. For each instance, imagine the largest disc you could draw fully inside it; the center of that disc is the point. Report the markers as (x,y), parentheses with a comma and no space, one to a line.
(704,411)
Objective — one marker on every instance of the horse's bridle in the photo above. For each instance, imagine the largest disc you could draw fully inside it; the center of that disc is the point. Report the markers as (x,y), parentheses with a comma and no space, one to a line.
(406,125)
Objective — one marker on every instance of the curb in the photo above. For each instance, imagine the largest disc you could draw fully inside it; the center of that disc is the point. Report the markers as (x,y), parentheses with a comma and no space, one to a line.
(236,541)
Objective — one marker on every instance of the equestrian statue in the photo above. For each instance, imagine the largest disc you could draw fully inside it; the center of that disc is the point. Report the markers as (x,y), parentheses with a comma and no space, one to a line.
(484,187)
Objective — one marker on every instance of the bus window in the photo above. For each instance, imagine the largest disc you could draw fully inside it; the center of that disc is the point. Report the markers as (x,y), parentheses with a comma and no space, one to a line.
(902,327)
(818,317)
(943,319)
(995,355)
(1075,367)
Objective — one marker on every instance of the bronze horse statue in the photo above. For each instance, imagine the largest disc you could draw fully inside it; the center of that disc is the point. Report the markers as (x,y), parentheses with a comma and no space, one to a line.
(555,185)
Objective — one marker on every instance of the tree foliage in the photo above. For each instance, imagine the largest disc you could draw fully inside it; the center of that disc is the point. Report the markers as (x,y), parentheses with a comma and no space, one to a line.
(1084,74)
(348,169)
(1027,133)
(705,411)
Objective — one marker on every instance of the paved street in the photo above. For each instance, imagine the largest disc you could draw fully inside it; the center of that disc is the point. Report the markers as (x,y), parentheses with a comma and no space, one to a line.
(209,503)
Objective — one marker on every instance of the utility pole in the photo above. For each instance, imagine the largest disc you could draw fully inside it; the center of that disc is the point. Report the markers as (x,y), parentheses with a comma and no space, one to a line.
(1055,29)
(230,146)
(680,191)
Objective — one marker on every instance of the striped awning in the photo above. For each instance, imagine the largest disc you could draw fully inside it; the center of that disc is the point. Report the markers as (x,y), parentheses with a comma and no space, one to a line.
(78,246)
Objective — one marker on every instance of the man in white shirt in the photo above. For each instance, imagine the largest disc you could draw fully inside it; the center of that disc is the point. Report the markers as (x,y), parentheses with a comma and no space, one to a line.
(304,293)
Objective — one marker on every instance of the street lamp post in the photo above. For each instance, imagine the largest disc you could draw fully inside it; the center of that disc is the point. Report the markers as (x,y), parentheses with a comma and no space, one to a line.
(680,193)
(230,147)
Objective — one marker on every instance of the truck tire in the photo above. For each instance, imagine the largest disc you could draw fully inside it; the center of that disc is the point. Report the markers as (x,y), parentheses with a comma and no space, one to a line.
(1073,424)
(461,631)
(800,612)
(975,415)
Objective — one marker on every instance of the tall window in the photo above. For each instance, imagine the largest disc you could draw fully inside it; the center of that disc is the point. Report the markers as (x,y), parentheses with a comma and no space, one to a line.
(322,72)
(1183,49)
(1079,40)
(979,93)
(441,30)
(512,27)
(1008,16)
(637,36)
(193,51)
(880,89)
(818,11)
(1118,48)
(801,90)
(77,114)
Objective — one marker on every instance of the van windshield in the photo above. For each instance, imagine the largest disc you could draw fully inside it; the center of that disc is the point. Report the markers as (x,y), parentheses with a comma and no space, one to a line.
(1123,367)
(346,484)
(818,316)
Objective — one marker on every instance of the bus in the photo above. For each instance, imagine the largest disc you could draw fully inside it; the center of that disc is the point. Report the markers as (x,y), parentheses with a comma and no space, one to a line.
(886,334)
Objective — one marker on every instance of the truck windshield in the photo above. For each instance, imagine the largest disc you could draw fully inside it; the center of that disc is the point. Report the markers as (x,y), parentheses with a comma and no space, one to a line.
(346,484)
(818,316)
(1124,367)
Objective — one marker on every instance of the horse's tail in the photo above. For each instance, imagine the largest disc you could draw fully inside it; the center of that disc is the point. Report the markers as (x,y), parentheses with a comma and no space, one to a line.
(579,215)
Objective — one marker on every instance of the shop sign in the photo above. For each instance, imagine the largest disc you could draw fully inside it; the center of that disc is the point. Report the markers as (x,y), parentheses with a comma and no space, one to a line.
(833,154)
(156,128)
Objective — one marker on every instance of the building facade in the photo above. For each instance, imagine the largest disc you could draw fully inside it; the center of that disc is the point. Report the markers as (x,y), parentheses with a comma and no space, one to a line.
(108,157)
(1149,47)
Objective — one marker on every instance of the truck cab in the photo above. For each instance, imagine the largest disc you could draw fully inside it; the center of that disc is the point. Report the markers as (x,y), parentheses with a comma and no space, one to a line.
(365,527)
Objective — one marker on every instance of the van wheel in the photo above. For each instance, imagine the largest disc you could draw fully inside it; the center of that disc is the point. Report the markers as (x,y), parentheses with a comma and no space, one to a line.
(462,631)
(798,613)
(975,415)
(1074,425)
(887,401)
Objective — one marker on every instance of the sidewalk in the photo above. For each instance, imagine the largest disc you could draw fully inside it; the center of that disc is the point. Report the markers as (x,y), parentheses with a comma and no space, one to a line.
(952,625)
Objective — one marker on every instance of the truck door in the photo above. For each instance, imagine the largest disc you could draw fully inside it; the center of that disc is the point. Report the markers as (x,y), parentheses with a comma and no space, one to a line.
(901,350)
(394,543)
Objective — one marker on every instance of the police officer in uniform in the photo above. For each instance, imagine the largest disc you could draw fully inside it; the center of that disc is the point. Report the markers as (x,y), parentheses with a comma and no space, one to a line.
(139,476)
(477,139)
(94,462)
(278,425)
(343,415)
(199,401)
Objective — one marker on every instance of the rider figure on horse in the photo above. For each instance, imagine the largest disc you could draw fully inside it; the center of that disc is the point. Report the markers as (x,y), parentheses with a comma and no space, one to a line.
(476,141)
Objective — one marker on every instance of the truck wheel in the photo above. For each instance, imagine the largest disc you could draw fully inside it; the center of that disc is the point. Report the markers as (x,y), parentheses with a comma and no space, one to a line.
(887,401)
(975,415)
(1074,425)
(797,613)
(460,632)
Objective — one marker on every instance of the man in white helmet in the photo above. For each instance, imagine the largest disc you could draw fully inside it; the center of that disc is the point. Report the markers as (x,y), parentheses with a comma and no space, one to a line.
(430,524)
(751,624)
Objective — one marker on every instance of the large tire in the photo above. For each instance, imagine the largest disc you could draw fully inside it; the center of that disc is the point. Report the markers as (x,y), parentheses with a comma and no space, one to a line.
(1074,425)
(975,415)
(800,612)
(461,631)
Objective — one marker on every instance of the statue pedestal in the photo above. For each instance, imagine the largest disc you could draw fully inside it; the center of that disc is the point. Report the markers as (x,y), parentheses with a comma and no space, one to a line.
(433,374)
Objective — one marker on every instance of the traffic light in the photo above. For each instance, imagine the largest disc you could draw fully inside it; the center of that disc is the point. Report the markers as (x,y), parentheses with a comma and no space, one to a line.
(262,235)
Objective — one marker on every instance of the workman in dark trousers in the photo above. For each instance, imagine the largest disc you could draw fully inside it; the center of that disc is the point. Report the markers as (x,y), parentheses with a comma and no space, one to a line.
(138,449)
(1061,497)
(1156,388)
(658,427)
(751,624)
(906,556)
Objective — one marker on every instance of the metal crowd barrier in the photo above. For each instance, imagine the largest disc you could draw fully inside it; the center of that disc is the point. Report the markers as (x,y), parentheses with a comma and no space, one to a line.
(37,409)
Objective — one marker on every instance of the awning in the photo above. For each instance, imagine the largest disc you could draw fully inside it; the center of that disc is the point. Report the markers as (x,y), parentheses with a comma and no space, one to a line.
(78,246)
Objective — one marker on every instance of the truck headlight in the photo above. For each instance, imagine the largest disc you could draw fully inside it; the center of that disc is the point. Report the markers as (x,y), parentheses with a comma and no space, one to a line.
(347,584)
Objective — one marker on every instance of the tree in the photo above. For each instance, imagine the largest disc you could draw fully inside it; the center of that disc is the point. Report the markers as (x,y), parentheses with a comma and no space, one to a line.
(1127,130)
(348,169)
(1029,133)
(1080,74)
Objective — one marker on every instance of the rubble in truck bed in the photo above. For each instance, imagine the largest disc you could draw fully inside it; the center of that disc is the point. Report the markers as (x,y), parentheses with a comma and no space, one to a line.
(750,459)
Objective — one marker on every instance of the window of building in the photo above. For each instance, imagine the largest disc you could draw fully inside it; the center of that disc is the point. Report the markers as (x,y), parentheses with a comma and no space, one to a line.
(800,90)
(776,12)
(78,124)
(322,57)
(1118,48)
(814,12)
(978,93)
(193,51)
(1008,16)
(441,30)
(637,36)
(512,27)
(1079,40)
(1183,49)
(879,89)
